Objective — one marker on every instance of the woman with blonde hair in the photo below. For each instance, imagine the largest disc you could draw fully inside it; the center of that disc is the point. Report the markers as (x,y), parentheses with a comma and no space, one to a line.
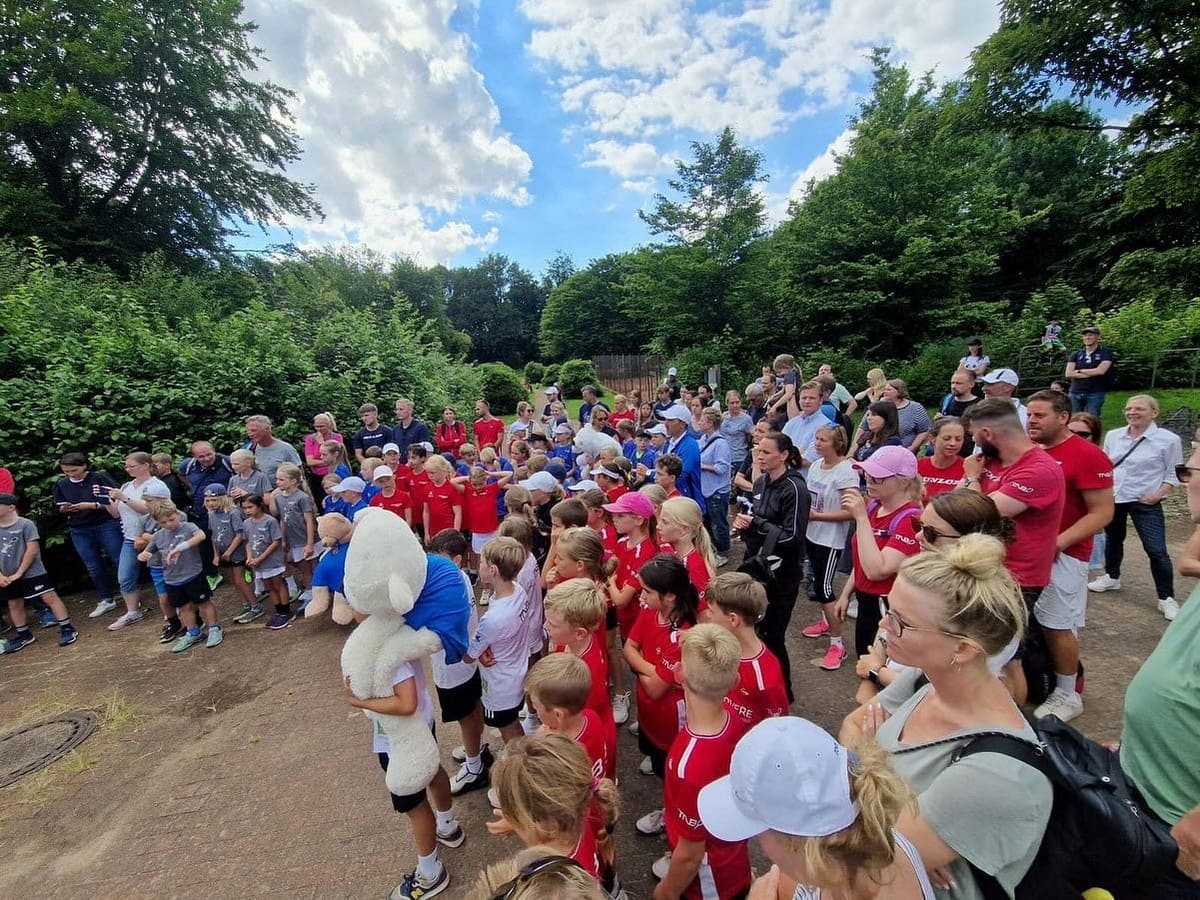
(324,429)
(946,614)
(876,384)
(825,815)
(681,526)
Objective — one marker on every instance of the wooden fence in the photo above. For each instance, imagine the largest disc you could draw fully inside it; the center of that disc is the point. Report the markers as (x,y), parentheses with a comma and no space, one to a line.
(623,373)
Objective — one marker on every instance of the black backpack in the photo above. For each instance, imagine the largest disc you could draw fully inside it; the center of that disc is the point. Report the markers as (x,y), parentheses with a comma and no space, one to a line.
(1101,833)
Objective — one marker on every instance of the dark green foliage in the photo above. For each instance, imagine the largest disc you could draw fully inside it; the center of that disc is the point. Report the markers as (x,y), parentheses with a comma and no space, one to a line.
(498,304)
(535,373)
(503,388)
(928,372)
(587,314)
(575,373)
(551,374)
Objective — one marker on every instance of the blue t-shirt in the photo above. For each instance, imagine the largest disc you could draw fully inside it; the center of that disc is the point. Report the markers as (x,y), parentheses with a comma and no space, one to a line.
(1085,360)
(566,453)
(364,440)
(443,606)
(331,569)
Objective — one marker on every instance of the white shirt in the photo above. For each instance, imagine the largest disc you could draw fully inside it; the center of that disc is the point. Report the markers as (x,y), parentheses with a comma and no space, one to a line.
(529,579)
(505,631)
(406,670)
(825,486)
(1147,468)
(131,520)
(451,675)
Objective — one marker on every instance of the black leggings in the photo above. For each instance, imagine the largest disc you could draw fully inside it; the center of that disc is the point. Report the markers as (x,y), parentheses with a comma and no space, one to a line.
(866,626)
(824,565)
(781,598)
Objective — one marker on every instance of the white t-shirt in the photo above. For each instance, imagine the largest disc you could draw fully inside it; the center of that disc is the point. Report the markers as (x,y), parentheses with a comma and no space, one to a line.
(131,520)
(505,631)
(403,672)
(824,486)
(451,675)
(530,581)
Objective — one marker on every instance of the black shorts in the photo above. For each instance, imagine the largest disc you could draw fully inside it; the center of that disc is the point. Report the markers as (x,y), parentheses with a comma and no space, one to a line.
(194,591)
(460,701)
(499,718)
(610,618)
(27,588)
(658,756)
(402,803)
(232,563)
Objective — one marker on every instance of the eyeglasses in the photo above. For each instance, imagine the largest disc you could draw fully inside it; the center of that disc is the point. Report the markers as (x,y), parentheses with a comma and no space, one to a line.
(932,535)
(1184,473)
(531,871)
(1084,433)
(871,479)
(898,626)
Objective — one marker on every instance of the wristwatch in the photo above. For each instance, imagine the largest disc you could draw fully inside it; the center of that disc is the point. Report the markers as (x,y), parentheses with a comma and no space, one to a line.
(873,676)
(968,480)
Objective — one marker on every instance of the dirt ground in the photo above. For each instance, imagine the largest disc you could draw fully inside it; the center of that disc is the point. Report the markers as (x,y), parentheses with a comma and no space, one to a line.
(241,771)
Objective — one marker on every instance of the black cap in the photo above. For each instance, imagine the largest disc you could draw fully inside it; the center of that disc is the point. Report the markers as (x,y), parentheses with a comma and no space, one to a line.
(8,499)
(1091,329)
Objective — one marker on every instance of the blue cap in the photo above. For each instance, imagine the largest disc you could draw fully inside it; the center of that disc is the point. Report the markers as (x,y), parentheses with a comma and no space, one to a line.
(216,490)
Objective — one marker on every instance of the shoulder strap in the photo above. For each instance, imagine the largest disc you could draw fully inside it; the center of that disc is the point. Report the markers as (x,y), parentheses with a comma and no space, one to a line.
(1125,455)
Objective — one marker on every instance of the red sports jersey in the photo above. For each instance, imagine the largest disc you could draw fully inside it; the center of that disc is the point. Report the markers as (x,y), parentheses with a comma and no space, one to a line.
(938,481)
(399,503)
(694,762)
(674,493)
(479,508)
(596,658)
(1085,467)
(698,574)
(440,501)
(418,486)
(760,692)
(610,539)
(488,433)
(404,477)
(629,562)
(615,493)
(1037,481)
(585,850)
(659,720)
(895,530)
(594,737)
(615,416)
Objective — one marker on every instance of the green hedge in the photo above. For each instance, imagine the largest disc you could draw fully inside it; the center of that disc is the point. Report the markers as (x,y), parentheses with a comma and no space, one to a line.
(503,388)
(575,373)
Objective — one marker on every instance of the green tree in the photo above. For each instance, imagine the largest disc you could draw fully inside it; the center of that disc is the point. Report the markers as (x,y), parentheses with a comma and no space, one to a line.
(498,304)
(136,125)
(585,316)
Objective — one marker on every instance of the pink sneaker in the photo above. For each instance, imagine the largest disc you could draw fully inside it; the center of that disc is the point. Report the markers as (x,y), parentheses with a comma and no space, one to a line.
(817,628)
(834,656)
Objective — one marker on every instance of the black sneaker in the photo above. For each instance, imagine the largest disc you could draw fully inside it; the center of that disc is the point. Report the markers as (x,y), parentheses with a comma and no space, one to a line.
(281,620)
(170,631)
(67,635)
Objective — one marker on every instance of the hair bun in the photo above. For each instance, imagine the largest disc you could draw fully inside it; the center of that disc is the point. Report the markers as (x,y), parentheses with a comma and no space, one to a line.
(977,555)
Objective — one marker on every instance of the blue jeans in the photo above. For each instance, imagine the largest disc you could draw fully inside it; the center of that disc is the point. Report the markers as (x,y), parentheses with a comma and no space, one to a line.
(93,544)
(129,569)
(1087,401)
(716,520)
(1152,530)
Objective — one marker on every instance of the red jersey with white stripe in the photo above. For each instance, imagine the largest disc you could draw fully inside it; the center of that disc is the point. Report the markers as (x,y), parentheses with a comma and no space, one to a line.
(760,692)
(629,562)
(596,659)
(418,486)
(658,641)
(593,736)
(480,513)
(694,762)
(616,492)
(398,503)
(1085,467)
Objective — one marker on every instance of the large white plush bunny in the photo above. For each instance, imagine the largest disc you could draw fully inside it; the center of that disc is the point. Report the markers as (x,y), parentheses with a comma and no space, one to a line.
(588,444)
(385,573)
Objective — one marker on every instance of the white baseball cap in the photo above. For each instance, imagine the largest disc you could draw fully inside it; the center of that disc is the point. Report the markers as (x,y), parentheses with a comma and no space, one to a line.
(551,391)
(353,483)
(1007,376)
(672,371)
(586,485)
(391,448)
(657,429)
(786,775)
(563,428)
(539,481)
(383,472)
(676,411)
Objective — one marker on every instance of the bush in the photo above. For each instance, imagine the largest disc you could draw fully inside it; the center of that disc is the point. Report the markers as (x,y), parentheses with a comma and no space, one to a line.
(725,353)
(534,373)
(550,376)
(503,388)
(575,373)
(849,370)
(928,375)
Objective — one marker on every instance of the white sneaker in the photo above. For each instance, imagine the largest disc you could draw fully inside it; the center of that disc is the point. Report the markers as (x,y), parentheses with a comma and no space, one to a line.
(102,607)
(128,619)
(646,767)
(620,706)
(634,728)
(1104,583)
(852,610)
(1066,706)
(651,823)
(661,866)
(531,723)
(1169,608)
(466,780)
(721,560)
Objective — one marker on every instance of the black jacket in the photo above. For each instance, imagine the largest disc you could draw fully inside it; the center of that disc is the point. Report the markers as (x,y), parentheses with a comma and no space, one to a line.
(780,510)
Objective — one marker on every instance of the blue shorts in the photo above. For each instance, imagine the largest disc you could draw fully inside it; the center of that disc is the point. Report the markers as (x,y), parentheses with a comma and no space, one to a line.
(160,581)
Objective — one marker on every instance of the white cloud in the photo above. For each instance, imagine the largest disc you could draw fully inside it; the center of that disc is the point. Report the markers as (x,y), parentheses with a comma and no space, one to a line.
(627,161)
(822,166)
(399,129)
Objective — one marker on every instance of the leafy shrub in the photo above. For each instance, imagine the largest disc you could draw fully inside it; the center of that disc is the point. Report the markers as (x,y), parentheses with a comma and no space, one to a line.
(723,352)
(928,374)
(551,375)
(849,370)
(575,373)
(503,388)
(534,372)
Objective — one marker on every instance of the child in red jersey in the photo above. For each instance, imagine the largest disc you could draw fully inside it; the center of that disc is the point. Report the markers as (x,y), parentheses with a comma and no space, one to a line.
(669,603)
(681,532)
(391,497)
(443,503)
(633,519)
(599,520)
(700,865)
(558,687)
(574,818)
(481,492)
(667,471)
(737,603)
(611,480)
(417,484)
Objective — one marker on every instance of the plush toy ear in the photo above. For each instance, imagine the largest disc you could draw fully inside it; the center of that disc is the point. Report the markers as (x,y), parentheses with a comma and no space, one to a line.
(400,594)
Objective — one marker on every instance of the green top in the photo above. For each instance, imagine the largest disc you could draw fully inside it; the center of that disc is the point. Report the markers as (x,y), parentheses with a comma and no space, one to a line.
(1161,728)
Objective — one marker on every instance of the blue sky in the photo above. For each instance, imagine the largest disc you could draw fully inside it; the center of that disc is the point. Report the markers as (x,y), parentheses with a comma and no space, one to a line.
(448,129)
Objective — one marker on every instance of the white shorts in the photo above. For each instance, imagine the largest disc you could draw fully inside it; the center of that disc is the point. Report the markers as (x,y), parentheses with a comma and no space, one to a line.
(269,573)
(296,554)
(1063,603)
(478,541)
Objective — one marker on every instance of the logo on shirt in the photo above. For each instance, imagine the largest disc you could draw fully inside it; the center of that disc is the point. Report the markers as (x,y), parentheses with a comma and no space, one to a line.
(1024,489)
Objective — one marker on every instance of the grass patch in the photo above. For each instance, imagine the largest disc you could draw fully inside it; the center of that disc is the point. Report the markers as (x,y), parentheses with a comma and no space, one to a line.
(113,710)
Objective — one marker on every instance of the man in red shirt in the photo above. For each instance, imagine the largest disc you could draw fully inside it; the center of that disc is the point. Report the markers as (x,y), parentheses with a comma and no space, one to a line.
(700,866)
(1087,508)
(489,430)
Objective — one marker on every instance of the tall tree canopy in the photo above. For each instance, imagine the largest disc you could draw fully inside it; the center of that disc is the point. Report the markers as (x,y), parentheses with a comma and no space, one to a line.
(128,126)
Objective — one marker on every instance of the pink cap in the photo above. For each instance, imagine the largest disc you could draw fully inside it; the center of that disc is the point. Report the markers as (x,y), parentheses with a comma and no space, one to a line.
(633,503)
(888,461)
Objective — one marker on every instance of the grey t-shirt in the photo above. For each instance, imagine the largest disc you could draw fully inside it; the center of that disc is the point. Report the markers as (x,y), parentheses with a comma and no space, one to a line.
(989,808)
(269,459)
(14,538)
(292,509)
(736,430)
(225,526)
(151,527)
(259,536)
(188,565)
(254,483)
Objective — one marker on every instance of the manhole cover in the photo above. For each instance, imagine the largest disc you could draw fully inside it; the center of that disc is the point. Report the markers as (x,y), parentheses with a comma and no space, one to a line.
(35,746)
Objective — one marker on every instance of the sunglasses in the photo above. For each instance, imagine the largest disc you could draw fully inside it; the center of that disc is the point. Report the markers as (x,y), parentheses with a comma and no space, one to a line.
(1184,473)
(871,479)
(1082,432)
(531,871)
(932,535)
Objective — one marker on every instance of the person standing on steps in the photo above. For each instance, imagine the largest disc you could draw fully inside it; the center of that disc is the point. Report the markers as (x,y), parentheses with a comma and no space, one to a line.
(1144,459)
(1089,373)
